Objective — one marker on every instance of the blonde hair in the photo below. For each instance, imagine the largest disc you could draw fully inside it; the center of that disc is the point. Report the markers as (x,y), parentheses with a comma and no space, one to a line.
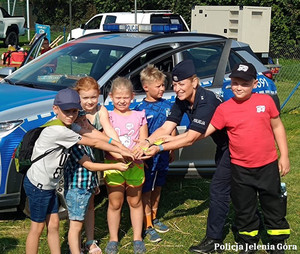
(151,74)
(194,77)
(86,83)
(121,83)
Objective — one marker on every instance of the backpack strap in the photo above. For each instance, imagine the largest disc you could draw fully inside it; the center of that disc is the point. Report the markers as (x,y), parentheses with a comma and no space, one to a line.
(50,123)
(44,154)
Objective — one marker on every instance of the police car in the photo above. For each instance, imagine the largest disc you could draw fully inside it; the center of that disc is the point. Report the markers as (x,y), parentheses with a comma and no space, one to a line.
(27,94)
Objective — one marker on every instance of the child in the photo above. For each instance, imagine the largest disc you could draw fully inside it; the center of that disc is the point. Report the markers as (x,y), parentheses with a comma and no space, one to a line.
(157,110)
(89,92)
(81,183)
(42,177)
(130,125)
(252,122)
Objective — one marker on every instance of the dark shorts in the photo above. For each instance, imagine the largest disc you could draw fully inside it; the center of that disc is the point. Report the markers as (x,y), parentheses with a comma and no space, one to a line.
(41,202)
(154,178)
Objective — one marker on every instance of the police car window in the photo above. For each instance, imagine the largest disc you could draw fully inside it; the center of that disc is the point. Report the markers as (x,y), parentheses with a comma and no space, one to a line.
(232,61)
(165,65)
(94,23)
(206,59)
(64,67)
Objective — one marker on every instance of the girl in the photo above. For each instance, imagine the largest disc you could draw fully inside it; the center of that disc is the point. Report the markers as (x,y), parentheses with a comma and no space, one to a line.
(130,125)
(89,92)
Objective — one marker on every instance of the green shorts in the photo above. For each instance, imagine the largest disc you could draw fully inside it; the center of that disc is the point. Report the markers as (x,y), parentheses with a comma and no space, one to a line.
(134,176)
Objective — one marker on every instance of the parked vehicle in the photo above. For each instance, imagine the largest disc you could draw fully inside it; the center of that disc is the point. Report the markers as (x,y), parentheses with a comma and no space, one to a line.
(11,27)
(27,94)
(95,24)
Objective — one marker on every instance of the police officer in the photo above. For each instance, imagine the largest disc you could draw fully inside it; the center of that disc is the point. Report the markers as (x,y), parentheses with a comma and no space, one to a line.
(199,104)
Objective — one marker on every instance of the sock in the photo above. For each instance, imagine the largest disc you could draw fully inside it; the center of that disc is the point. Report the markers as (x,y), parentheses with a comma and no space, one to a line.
(154,211)
(148,221)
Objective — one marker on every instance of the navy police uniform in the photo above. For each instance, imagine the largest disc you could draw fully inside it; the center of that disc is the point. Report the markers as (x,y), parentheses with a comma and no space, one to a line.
(200,115)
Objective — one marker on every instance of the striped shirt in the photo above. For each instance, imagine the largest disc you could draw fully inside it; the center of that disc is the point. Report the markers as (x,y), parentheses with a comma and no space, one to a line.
(75,175)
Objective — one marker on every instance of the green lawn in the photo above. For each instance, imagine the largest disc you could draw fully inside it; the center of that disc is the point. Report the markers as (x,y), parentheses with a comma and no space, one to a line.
(184,208)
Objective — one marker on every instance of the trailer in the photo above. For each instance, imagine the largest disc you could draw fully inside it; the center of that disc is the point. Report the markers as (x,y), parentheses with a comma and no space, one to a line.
(249,24)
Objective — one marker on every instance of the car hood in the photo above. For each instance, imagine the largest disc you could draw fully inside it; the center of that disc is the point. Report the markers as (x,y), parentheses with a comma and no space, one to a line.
(17,100)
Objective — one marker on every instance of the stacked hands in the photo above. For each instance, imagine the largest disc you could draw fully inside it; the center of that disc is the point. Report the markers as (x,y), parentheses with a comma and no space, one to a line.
(144,149)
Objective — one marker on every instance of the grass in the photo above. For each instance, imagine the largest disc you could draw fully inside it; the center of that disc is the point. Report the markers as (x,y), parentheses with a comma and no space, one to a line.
(184,208)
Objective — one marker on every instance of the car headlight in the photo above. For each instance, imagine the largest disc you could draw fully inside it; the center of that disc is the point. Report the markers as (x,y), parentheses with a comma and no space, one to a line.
(9,125)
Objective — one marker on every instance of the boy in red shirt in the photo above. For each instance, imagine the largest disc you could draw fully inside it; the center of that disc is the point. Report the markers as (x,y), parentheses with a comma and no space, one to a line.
(252,122)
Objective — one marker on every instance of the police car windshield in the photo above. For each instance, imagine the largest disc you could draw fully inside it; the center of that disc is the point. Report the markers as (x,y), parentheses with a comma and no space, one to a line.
(63,66)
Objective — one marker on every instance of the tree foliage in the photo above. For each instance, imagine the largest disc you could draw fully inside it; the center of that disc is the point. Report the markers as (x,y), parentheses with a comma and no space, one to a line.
(285,23)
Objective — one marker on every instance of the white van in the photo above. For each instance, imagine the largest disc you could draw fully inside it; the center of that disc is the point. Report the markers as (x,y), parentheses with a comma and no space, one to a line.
(95,24)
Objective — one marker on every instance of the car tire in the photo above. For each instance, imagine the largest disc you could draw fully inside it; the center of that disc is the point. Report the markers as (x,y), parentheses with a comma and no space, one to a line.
(12,38)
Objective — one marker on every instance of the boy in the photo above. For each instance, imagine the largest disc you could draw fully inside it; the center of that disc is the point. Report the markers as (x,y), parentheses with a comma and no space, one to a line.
(81,182)
(252,122)
(157,110)
(43,175)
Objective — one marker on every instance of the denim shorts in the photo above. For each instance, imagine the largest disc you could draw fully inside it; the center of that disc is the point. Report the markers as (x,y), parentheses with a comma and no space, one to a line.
(77,202)
(41,202)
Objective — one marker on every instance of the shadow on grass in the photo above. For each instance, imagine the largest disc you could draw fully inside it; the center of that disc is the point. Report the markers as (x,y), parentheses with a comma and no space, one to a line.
(8,244)
(178,191)
(12,216)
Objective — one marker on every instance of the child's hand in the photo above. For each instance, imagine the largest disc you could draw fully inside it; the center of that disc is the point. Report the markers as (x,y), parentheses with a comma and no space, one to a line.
(139,151)
(140,147)
(284,166)
(122,166)
(151,151)
(127,155)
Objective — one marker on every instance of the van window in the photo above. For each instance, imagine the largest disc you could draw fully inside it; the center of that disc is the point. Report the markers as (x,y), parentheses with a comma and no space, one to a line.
(110,19)
(94,23)
(167,19)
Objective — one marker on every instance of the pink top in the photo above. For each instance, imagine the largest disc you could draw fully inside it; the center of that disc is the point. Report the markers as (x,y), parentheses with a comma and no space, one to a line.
(248,124)
(128,126)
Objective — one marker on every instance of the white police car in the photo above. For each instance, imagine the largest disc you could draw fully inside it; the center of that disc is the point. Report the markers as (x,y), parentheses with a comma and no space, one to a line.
(27,95)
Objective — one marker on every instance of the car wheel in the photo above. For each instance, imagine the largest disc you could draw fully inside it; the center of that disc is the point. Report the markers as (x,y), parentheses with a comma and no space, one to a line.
(11,38)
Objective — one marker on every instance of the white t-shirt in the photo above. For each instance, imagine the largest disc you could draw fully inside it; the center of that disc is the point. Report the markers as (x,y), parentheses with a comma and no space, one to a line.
(45,173)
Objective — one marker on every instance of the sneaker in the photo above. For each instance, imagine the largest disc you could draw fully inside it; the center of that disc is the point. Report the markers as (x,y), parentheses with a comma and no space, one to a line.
(152,235)
(208,245)
(139,247)
(112,247)
(159,226)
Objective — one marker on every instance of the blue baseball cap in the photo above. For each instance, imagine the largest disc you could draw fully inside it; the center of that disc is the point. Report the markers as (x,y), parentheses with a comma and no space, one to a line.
(67,99)
(183,70)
